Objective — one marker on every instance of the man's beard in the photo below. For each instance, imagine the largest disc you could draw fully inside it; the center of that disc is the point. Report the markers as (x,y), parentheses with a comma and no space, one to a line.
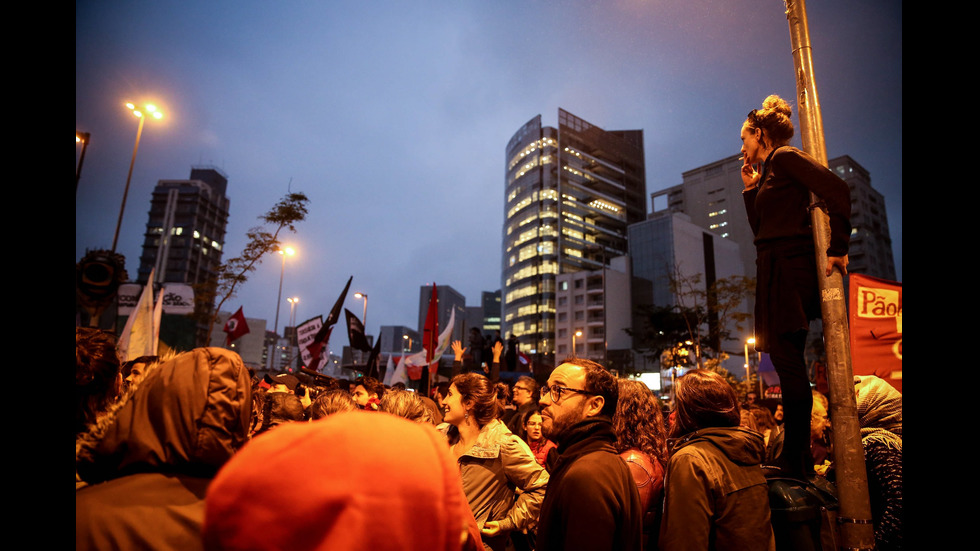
(560,426)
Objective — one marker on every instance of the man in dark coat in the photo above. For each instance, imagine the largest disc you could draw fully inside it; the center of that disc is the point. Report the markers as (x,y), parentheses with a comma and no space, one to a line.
(592,502)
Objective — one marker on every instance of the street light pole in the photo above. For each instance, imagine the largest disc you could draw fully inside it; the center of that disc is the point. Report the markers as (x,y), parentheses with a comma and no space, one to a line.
(854,518)
(290,251)
(84,138)
(139,132)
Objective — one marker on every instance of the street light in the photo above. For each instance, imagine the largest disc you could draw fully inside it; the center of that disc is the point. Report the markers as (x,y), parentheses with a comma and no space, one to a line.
(293,301)
(575,350)
(84,138)
(156,114)
(287,251)
(363,317)
(409,339)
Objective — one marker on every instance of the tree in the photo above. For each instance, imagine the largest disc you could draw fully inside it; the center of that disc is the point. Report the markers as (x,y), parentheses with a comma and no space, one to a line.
(292,208)
(706,316)
(710,311)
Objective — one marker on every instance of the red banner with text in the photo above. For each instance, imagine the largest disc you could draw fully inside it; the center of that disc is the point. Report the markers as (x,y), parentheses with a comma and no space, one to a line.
(875,319)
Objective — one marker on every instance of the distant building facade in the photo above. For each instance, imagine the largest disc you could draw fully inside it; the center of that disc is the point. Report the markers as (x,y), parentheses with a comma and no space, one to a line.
(592,314)
(570,193)
(669,245)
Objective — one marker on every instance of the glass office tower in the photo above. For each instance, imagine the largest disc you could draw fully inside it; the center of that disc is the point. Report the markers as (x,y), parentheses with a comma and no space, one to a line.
(571,191)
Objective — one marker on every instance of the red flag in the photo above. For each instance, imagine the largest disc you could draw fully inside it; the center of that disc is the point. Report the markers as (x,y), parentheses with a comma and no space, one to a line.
(525,362)
(875,319)
(236,327)
(430,333)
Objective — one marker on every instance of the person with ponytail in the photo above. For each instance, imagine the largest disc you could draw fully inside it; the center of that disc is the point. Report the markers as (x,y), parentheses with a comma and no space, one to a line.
(492,462)
(778,180)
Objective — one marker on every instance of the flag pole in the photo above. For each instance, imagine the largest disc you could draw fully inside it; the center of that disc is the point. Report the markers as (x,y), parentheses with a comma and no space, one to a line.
(854,519)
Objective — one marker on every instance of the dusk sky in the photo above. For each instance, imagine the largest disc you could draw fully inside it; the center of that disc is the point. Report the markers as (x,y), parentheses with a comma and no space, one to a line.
(393,118)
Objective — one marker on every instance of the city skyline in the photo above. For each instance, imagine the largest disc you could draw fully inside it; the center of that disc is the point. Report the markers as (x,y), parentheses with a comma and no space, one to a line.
(394,118)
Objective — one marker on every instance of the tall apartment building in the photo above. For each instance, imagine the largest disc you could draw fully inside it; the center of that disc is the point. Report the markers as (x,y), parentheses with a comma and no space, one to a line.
(871,244)
(712,196)
(570,193)
(593,313)
(185,232)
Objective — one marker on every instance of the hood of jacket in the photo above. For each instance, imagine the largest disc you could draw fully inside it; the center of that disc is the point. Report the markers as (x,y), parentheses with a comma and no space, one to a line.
(188,415)
(354,480)
(740,445)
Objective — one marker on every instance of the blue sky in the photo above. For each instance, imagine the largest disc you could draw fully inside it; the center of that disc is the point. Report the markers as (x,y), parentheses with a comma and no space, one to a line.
(393,117)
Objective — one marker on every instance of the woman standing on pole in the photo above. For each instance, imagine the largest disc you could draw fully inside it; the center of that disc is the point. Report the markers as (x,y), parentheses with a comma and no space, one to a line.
(778,180)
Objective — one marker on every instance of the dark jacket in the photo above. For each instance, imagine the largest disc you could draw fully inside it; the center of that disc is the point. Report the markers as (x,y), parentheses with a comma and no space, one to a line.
(142,471)
(716,497)
(592,502)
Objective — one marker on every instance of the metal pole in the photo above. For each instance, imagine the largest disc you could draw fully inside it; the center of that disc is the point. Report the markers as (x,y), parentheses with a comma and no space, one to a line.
(857,531)
(136,147)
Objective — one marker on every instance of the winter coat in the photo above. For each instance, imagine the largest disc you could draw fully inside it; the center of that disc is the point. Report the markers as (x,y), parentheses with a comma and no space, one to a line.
(592,502)
(497,464)
(143,469)
(716,497)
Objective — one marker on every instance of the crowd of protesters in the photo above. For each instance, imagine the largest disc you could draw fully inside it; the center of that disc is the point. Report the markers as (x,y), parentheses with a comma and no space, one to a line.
(194,452)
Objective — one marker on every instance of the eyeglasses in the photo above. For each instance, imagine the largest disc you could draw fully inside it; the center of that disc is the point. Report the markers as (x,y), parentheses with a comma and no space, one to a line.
(556,391)
(524,388)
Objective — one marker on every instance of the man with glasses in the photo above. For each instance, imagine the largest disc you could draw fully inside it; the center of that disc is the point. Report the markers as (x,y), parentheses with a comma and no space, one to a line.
(592,502)
(525,397)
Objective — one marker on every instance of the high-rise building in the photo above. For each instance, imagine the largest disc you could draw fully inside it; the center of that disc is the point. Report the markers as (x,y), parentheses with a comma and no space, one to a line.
(871,244)
(185,233)
(712,196)
(570,193)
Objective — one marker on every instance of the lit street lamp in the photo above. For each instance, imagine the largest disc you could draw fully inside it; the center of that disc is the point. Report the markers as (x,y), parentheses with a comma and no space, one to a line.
(293,301)
(156,114)
(84,138)
(287,251)
(364,317)
(574,349)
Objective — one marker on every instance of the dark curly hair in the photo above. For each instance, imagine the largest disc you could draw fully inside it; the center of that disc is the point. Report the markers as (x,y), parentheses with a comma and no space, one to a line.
(775,119)
(639,421)
(477,389)
(96,374)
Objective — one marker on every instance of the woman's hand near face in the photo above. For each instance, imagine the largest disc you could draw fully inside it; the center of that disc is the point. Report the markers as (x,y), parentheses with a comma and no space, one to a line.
(750,176)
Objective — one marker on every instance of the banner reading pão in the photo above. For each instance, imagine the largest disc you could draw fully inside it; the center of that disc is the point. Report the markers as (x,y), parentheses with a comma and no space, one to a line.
(875,320)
